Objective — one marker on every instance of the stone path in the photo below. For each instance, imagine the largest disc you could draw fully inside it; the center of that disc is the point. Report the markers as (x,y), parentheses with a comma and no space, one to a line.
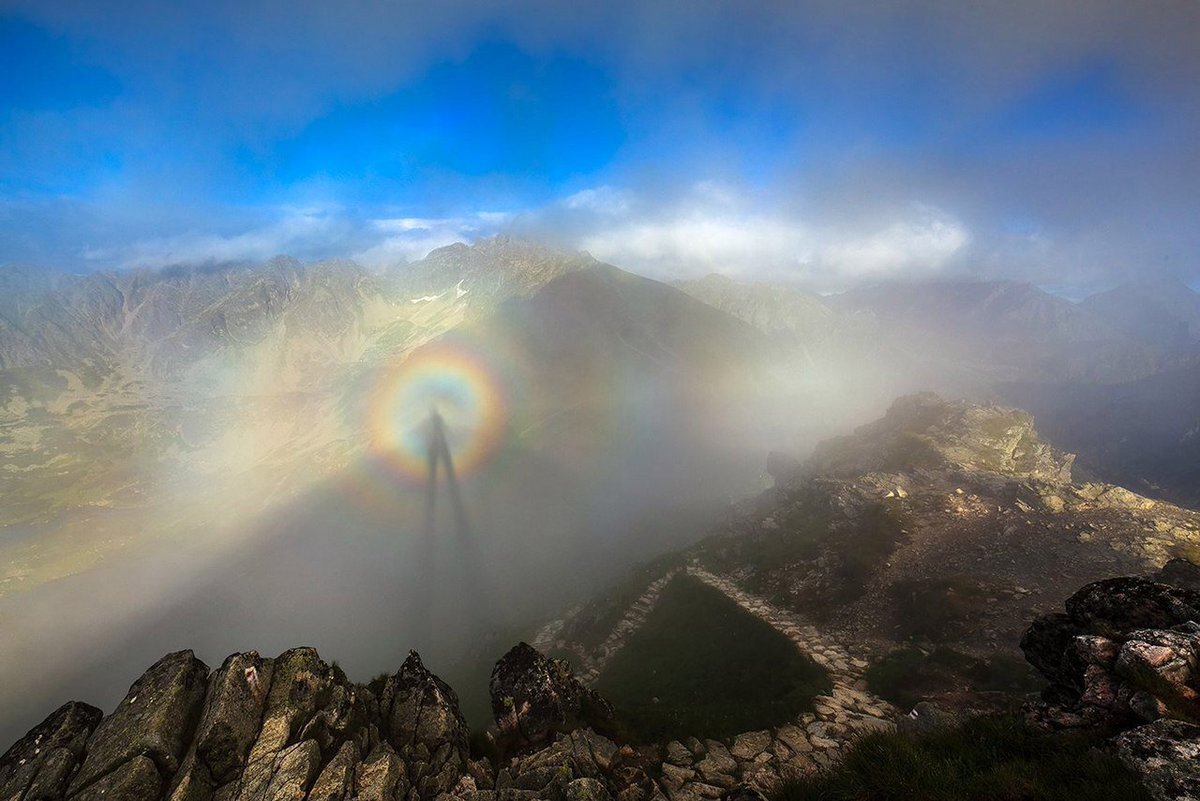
(588,666)
(698,770)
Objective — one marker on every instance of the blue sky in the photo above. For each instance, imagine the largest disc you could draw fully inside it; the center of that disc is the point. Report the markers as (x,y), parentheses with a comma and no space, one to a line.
(821,143)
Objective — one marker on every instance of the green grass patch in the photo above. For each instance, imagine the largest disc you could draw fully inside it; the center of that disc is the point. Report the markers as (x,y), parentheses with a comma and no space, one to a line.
(702,666)
(987,759)
(908,675)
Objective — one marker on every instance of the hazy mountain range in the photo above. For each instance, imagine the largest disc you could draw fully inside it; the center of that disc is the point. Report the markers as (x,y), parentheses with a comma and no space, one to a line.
(179,445)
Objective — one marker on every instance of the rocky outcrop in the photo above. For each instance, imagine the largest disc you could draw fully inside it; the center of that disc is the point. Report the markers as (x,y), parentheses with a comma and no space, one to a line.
(294,728)
(137,749)
(1121,642)
(925,431)
(423,723)
(534,697)
(1125,657)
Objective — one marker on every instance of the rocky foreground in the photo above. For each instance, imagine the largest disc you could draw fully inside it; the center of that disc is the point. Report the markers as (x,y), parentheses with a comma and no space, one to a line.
(294,727)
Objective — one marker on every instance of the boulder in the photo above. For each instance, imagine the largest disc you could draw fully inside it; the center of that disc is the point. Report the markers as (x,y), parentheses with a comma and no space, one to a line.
(154,723)
(1114,606)
(534,697)
(39,765)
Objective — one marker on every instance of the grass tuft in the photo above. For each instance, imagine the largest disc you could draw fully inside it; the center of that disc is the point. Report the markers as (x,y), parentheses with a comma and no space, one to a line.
(987,759)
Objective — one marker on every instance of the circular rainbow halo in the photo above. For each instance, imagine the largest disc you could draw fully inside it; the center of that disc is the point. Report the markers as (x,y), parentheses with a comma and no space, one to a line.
(455,382)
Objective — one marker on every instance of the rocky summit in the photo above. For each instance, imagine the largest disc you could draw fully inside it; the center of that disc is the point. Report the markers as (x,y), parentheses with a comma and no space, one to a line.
(294,727)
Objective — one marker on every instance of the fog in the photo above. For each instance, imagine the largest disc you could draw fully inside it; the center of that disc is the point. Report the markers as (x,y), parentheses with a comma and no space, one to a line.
(205,445)
(645,460)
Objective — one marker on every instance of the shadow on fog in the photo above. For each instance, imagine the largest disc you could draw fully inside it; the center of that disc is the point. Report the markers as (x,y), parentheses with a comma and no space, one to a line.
(346,569)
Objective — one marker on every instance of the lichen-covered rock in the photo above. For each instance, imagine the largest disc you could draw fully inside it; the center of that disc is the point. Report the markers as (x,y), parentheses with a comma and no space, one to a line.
(1166,754)
(586,789)
(1114,606)
(39,765)
(534,697)
(307,700)
(229,725)
(1164,664)
(423,723)
(155,721)
(381,776)
(336,780)
(137,779)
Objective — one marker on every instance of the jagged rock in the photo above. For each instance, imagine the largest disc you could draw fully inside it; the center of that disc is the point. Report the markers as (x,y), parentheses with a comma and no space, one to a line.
(295,770)
(336,780)
(154,721)
(229,724)
(534,697)
(675,776)
(717,761)
(39,765)
(381,776)
(307,700)
(1166,754)
(423,722)
(678,754)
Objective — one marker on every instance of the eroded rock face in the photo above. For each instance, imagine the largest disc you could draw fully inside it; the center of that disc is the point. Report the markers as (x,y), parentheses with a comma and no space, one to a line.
(534,697)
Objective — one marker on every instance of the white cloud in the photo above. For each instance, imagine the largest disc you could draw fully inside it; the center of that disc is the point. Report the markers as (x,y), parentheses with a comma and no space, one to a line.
(601,199)
(711,230)
(409,238)
(911,247)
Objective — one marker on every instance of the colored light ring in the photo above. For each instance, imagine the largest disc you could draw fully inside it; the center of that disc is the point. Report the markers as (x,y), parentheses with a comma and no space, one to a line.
(455,381)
